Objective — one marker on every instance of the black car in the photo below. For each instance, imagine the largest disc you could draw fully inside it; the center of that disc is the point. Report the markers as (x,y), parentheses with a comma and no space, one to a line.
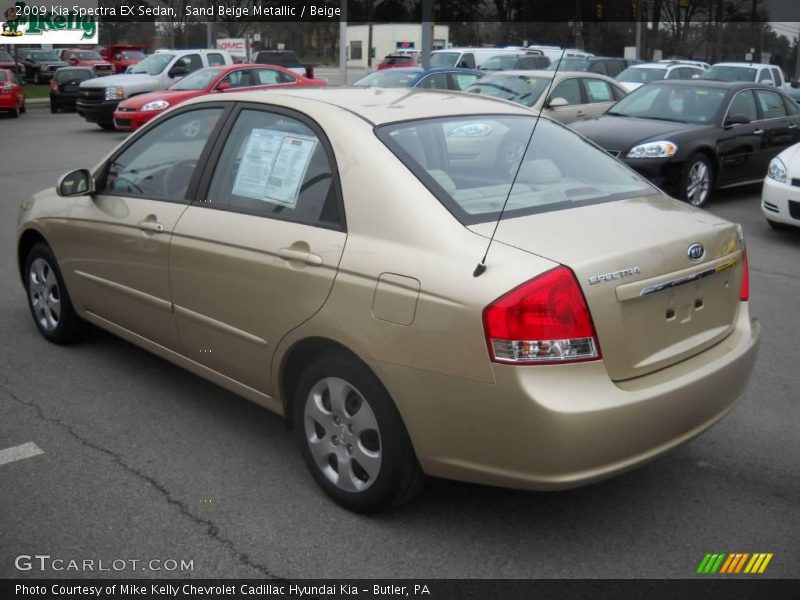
(65,85)
(690,137)
(39,66)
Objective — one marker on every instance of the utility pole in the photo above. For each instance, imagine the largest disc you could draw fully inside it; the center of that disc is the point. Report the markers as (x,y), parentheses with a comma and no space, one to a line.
(427,32)
(343,43)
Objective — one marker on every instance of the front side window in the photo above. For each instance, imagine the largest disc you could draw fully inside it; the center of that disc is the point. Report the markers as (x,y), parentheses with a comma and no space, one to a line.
(153,64)
(192,62)
(744,104)
(160,164)
(569,90)
(275,166)
(436,81)
(467,61)
(559,170)
(215,59)
(771,103)
(462,81)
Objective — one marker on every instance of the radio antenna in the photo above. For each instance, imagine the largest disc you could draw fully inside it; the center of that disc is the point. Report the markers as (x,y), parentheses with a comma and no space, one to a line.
(481,266)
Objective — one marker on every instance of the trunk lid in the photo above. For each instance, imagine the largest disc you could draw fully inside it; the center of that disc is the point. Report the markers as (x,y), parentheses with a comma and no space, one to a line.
(651,304)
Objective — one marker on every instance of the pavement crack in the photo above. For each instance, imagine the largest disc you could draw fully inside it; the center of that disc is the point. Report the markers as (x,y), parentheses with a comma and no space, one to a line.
(211,530)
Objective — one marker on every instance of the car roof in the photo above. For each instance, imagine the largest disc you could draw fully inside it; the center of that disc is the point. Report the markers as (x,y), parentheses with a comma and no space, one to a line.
(377,105)
(715,83)
(547,73)
(654,66)
(742,64)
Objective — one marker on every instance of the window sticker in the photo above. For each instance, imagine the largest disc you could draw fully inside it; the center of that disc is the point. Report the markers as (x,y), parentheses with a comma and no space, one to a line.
(599,90)
(273,166)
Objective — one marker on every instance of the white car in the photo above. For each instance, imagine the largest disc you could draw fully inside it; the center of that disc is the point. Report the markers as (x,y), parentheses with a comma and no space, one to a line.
(743,71)
(780,198)
(636,76)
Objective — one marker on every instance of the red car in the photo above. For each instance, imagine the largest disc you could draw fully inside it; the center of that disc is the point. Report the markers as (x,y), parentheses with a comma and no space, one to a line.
(12,97)
(138,110)
(397,60)
(122,56)
(87,58)
(7,61)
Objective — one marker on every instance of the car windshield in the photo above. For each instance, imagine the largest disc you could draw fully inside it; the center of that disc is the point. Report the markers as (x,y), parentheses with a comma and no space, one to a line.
(388,78)
(721,73)
(681,103)
(132,54)
(570,64)
(522,89)
(89,56)
(198,80)
(45,55)
(5,56)
(444,59)
(153,64)
(641,75)
(501,63)
(560,169)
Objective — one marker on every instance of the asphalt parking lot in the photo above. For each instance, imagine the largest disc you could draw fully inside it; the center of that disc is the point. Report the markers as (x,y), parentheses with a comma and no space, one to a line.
(142,460)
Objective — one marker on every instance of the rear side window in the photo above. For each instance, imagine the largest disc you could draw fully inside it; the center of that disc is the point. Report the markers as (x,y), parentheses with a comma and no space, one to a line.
(469,164)
(764,75)
(467,61)
(275,166)
(215,59)
(771,104)
(776,74)
(598,90)
(462,81)
(192,61)
(271,76)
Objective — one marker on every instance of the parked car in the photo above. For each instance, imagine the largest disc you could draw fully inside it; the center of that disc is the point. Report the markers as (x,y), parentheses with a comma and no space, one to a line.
(286,59)
(687,61)
(691,137)
(122,56)
(751,72)
(638,75)
(39,65)
(12,94)
(135,112)
(573,95)
(65,85)
(462,58)
(601,65)
(391,61)
(416,77)
(555,53)
(99,98)
(329,281)
(87,58)
(512,62)
(780,196)
(7,61)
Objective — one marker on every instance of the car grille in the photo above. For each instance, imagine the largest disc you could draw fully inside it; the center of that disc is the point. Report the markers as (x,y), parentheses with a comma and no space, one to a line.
(796,182)
(794,209)
(92,95)
(123,122)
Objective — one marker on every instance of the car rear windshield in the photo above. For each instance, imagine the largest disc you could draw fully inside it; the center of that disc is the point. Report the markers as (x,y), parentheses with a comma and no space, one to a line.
(469,164)
(522,89)
(444,59)
(730,74)
(63,75)
(388,78)
(641,75)
(281,59)
(679,103)
(153,64)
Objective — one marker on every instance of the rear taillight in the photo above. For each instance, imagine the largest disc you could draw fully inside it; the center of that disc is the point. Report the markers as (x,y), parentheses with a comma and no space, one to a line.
(53,84)
(744,290)
(6,88)
(545,320)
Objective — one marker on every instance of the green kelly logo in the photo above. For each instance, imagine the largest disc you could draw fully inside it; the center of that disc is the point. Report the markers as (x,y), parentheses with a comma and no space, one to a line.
(38,22)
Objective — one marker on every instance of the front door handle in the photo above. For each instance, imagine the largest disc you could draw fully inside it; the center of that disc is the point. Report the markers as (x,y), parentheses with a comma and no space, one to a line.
(300,256)
(151,226)
(758,132)
(793,126)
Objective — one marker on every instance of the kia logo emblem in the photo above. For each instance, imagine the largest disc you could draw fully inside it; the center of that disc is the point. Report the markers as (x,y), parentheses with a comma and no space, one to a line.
(696,252)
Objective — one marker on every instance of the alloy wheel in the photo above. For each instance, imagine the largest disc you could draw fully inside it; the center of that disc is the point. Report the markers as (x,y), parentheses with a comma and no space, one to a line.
(698,184)
(44,295)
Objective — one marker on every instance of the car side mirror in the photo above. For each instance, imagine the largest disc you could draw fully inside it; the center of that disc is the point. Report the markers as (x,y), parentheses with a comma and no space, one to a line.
(557,102)
(178,72)
(225,85)
(75,183)
(736,120)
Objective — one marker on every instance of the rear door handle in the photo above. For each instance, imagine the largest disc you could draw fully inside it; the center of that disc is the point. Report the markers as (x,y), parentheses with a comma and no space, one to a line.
(758,132)
(300,256)
(151,226)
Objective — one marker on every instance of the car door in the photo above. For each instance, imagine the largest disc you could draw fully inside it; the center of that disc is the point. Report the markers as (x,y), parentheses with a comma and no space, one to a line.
(120,247)
(739,146)
(257,254)
(776,124)
(575,110)
(599,97)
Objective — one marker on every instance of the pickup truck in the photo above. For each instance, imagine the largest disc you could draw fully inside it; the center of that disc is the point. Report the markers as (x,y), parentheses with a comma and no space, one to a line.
(87,58)
(744,71)
(286,59)
(123,56)
(39,66)
(98,98)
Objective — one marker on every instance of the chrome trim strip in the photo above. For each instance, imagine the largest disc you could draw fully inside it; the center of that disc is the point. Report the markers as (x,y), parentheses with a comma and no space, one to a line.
(128,291)
(224,327)
(688,278)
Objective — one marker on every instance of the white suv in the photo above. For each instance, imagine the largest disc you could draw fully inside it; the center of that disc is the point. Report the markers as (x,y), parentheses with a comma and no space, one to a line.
(743,71)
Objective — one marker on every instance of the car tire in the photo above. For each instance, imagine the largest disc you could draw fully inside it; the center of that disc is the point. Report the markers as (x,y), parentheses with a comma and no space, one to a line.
(343,417)
(22,108)
(14,112)
(48,300)
(107,125)
(53,107)
(697,180)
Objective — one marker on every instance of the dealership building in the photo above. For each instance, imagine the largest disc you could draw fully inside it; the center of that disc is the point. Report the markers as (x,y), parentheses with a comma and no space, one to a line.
(388,38)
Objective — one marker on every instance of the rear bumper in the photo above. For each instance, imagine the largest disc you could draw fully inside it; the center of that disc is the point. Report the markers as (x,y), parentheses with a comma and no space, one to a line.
(131,121)
(97,112)
(62,99)
(554,427)
(780,202)
(8,102)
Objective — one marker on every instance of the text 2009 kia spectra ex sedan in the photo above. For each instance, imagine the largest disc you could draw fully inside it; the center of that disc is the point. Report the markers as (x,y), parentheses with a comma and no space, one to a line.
(315,251)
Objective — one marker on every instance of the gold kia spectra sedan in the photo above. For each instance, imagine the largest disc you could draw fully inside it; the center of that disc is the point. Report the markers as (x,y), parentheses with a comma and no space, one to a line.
(315,251)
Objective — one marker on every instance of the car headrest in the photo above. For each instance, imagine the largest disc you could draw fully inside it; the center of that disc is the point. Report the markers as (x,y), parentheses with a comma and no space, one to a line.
(539,171)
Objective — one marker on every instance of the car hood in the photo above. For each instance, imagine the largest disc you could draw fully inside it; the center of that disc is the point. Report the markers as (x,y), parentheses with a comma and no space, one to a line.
(124,80)
(172,96)
(622,133)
